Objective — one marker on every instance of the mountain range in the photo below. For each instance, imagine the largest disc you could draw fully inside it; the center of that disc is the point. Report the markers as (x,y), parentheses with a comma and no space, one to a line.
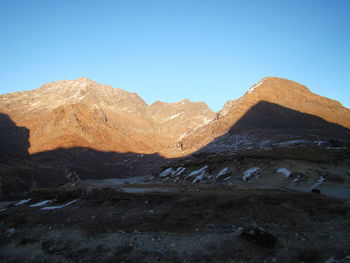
(83,113)
(79,127)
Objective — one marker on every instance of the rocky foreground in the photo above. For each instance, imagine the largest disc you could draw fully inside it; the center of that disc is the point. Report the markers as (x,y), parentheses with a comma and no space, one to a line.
(282,203)
(93,222)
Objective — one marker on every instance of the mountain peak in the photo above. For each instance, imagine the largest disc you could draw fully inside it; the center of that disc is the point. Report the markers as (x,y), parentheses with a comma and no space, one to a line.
(84,79)
(276,84)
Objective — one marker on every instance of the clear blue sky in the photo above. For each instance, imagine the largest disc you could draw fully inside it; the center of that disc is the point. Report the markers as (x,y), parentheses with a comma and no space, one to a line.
(167,50)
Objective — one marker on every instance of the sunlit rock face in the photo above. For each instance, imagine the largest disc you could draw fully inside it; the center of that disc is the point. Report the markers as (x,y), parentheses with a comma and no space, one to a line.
(83,113)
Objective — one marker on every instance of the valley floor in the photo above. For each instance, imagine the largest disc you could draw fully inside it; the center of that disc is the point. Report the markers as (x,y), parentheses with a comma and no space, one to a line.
(164,222)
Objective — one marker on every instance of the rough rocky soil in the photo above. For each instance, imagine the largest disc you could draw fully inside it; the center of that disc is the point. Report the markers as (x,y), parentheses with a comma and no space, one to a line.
(181,223)
(294,166)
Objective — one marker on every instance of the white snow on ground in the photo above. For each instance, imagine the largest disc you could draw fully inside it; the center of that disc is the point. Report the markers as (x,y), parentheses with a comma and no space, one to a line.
(319,182)
(171,172)
(179,171)
(248,173)
(293,142)
(172,117)
(42,203)
(198,178)
(206,120)
(166,172)
(284,171)
(319,143)
(255,86)
(58,206)
(23,201)
(222,172)
(197,172)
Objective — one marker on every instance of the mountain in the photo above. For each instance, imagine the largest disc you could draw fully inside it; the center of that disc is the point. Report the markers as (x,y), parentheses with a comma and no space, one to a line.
(96,131)
(83,113)
(176,120)
(266,177)
(273,109)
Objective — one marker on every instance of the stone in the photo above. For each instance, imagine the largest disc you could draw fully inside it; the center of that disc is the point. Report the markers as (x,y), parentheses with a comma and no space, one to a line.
(258,237)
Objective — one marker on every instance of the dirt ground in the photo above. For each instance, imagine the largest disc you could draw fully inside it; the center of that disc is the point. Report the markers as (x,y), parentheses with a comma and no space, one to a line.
(179,223)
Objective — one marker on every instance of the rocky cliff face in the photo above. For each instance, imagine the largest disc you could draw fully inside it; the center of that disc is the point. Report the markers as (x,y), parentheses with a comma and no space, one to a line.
(174,121)
(83,113)
(269,109)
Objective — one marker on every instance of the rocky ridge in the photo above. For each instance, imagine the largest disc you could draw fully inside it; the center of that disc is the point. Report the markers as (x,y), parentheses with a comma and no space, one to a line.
(83,113)
(274,108)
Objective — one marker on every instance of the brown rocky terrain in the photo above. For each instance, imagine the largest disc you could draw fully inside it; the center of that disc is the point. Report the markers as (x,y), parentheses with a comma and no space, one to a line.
(95,169)
(268,110)
(182,223)
(97,131)
(83,113)
(300,165)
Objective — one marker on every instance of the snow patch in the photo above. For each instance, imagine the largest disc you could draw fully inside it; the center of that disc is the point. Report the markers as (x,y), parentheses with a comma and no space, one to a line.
(255,86)
(58,206)
(23,201)
(319,182)
(166,172)
(293,142)
(197,172)
(172,117)
(284,171)
(248,173)
(206,120)
(179,171)
(319,143)
(42,203)
(198,178)
(171,172)
(222,172)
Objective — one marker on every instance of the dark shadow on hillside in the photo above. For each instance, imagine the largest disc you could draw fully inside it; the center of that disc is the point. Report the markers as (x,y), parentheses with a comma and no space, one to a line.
(21,172)
(92,164)
(53,168)
(267,115)
(13,139)
(270,121)
(14,146)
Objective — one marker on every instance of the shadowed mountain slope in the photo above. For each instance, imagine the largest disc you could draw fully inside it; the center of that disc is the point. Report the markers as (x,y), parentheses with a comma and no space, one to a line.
(278,106)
